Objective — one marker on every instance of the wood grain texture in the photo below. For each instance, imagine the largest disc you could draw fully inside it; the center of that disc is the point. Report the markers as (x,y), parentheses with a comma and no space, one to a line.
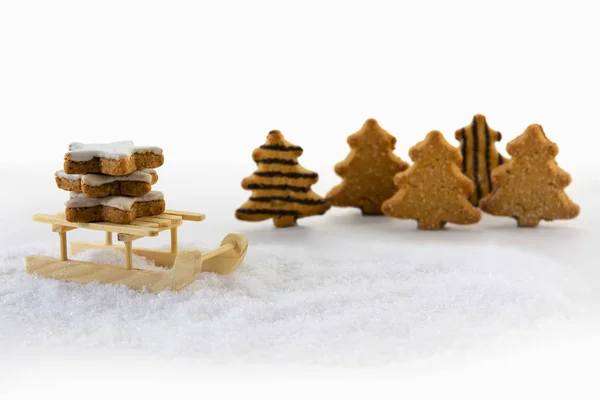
(186,215)
(181,275)
(181,267)
(225,262)
(97,226)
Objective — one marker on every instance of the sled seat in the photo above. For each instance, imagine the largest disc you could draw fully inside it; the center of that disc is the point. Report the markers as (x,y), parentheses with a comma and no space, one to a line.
(126,233)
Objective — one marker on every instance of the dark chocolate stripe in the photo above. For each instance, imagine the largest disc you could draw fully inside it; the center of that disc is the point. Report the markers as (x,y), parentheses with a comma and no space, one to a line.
(488,161)
(276,161)
(500,158)
(279,147)
(261,186)
(476,159)
(272,174)
(287,199)
(265,211)
(464,150)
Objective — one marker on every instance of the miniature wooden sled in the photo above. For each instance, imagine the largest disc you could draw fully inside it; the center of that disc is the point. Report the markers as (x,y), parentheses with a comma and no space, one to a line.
(181,267)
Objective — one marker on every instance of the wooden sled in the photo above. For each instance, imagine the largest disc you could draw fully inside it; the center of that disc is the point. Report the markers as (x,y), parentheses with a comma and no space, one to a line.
(181,267)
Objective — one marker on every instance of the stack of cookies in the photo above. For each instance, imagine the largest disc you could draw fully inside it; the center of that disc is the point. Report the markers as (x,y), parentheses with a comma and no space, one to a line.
(111,182)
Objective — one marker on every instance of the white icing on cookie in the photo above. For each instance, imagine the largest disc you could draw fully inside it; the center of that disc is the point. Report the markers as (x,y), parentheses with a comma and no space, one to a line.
(98,179)
(144,175)
(78,200)
(81,152)
(63,175)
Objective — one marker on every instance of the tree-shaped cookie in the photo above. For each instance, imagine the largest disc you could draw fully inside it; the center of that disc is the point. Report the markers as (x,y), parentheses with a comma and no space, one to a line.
(368,171)
(529,187)
(281,188)
(433,190)
(479,155)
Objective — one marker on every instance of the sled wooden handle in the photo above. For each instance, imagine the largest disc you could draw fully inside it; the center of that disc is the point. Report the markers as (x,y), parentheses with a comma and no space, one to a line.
(218,250)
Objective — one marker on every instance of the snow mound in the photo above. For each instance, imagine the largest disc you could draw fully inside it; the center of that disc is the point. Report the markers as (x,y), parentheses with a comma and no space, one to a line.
(392,303)
(115,257)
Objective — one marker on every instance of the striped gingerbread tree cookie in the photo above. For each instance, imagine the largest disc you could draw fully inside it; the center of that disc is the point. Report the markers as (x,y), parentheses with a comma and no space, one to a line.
(480,157)
(281,188)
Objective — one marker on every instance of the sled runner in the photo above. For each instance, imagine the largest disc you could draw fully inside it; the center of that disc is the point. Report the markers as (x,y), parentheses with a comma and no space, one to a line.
(181,267)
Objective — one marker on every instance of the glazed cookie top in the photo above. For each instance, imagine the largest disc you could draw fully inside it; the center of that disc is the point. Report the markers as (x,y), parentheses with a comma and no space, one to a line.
(144,175)
(79,200)
(81,152)
(71,177)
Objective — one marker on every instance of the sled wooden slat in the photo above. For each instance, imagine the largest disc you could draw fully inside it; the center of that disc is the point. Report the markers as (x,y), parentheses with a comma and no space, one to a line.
(97,226)
(144,223)
(61,228)
(186,215)
(123,237)
(166,217)
(161,222)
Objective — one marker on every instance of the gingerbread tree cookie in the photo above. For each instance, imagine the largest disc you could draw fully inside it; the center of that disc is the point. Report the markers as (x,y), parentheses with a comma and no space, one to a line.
(479,155)
(433,190)
(368,171)
(529,187)
(280,186)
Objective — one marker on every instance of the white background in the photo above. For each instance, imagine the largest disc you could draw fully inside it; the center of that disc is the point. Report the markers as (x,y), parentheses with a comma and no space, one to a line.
(208,75)
(206,81)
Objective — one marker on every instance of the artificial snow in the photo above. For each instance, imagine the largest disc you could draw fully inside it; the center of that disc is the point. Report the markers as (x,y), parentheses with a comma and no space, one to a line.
(394,302)
(341,289)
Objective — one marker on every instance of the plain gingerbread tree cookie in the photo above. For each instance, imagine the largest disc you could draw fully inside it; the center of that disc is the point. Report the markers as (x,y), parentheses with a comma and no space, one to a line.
(281,188)
(433,191)
(368,171)
(529,187)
